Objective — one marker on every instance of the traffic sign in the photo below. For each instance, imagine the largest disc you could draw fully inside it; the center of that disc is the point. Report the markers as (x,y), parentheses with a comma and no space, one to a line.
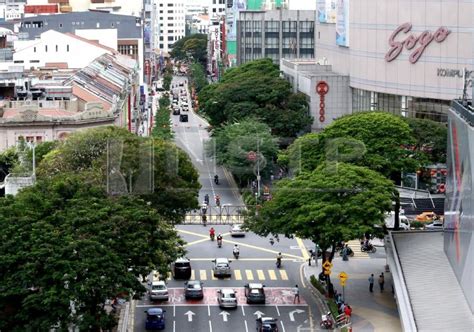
(343,276)
(327,265)
(327,272)
(342,282)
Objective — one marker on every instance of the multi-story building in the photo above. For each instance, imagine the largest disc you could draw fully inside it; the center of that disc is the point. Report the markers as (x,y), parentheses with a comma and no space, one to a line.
(123,7)
(217,8)
(199,24)
(11,9)
(275,34)
(171,23)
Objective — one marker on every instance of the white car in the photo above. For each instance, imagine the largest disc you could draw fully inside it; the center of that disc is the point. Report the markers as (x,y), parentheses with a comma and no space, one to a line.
(227,298)
(237,231)
(434,225)
(221,268)
(158,291)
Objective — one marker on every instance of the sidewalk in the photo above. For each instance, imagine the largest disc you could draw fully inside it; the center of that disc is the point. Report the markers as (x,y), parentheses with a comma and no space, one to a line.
(371,311)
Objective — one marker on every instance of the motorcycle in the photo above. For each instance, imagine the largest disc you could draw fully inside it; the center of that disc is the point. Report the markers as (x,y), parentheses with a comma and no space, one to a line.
(278,263)
(219,243)
(236,254)
(350,253)
(327,322)
(368,248)
(212,236)
(216,179)
(218,202)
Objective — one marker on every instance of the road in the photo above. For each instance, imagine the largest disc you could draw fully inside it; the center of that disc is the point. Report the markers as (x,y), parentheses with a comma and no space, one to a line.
(256,262)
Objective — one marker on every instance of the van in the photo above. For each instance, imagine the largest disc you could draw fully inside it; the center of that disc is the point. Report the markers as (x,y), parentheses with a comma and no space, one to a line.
(181,268)
(183,118)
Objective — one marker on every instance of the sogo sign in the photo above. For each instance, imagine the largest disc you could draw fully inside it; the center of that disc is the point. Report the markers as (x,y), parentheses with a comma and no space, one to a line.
(416,43)
(322,88)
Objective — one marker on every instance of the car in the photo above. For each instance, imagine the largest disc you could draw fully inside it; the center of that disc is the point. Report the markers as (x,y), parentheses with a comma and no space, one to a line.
(183,118)
(267,324)
(158,291)
(193,290)
(221,268)
(435,225)
(155,319)
(254,293)
(181,268)
(181,83)
(426,216)
(227,298)
(237,230)
(176,111)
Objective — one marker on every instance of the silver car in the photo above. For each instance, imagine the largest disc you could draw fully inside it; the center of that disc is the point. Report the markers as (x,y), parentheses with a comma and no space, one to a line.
(237,231)
(158,291)
(227,298)
(221,268)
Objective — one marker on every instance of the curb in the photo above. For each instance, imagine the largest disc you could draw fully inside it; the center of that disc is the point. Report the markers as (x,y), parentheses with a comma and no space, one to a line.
(320,299)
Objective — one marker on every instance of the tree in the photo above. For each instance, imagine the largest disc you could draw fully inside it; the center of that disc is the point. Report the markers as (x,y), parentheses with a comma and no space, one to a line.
(162,128)
(194,46)
(335,202)
(256,89)
(430,139)
(113,158)
(197,76)
(231,145)
(67,247)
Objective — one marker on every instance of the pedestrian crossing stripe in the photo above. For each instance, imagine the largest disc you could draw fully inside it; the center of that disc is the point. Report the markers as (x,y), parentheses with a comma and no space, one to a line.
(355,246)
(237,274)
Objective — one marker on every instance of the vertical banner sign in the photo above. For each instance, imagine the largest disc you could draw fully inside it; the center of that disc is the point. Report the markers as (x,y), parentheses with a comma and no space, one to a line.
(322,88)
(321,10)
(326,11)
(342,23)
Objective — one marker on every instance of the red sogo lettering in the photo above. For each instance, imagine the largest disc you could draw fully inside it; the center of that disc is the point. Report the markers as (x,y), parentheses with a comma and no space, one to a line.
(412,41)
(322,88)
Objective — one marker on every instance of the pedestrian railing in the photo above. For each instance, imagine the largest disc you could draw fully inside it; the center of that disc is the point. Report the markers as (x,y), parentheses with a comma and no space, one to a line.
(225,214)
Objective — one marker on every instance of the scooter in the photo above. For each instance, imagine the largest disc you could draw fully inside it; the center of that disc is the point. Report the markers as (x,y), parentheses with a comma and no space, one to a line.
(350,253)
(236,254)
(327,322)
(368,248)
(219,243)
(278,263)
(216,180)
(212,236)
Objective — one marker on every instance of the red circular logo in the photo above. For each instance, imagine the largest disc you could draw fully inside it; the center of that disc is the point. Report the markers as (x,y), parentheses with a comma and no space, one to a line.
(322,88)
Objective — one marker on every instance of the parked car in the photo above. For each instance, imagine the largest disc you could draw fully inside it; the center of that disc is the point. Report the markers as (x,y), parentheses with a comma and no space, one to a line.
(226,297)
(158,291)
(426,216)
(155,319)
(267,324)
(181,268)
(254,293)
(193,290)
(237,230)
(221,268)
(183,118)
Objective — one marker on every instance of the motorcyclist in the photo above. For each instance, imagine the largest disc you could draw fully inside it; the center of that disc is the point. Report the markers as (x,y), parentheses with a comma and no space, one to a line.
(236,251)
(216,179)
(212,233)
(218,200)
(206,199)
(219,239)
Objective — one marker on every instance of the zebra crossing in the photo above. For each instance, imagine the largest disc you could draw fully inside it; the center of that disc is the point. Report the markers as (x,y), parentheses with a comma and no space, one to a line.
(237,274)
(355,246)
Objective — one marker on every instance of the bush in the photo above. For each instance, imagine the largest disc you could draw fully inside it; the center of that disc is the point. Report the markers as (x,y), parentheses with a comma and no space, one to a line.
(416,224)
(319,286)
(333,307)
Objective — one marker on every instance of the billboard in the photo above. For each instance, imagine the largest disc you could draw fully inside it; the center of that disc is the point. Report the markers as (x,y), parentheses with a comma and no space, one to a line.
(342,23)
(326,11)
(232,16)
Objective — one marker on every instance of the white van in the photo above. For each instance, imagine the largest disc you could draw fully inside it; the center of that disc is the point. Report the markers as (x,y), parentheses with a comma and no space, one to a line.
(390,221)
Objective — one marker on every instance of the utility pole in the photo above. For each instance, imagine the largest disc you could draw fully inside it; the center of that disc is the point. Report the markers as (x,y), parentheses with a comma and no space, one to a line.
(258,166)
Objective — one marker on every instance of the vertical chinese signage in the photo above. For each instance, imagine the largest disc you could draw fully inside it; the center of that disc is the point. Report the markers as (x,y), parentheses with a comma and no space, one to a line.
(342,23)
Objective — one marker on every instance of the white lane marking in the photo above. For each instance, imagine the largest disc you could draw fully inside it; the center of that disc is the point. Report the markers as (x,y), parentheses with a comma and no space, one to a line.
(278,311)
(243,311)
(209,310)
(282,326)
(210,326)
(246,327)
(174,326)
(174,311)
(292,314)
(190,315)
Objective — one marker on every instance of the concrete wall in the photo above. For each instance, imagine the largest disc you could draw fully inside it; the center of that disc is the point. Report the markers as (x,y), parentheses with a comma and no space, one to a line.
(371,24)
(14,184)
(106,37)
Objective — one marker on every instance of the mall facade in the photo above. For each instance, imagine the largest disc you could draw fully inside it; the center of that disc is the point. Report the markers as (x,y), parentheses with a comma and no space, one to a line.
(406,57)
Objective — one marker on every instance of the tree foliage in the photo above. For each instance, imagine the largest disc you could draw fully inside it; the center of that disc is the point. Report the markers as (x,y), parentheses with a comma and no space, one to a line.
(197,76)
(335,202)
(67,247)
(155,170)
(231,144)
(194,45)
(431,139)
(256,89)
(162,127)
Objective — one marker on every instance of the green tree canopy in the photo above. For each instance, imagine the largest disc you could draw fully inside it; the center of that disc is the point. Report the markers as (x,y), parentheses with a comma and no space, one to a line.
(194,45)
(335,202)
(67,247)
(156,170)
(231,144)
(256,89)
(377,140)
(431,139)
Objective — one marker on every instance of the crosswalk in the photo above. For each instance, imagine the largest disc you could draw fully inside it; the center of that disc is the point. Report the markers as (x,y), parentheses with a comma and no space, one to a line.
(355,246)
(237,274)
(226,219)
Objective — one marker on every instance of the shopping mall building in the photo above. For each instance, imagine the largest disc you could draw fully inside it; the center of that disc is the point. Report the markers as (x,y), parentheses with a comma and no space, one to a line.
(403,56)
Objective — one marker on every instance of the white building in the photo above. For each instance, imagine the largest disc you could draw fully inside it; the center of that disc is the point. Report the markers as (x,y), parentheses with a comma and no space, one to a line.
(56,49)
(124,7)
(217,8)
(170,22)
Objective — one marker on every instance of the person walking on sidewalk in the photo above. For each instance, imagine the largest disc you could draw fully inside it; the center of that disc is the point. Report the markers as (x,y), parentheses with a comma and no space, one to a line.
(348,313)
(371,283)
(296,292)
(381,282)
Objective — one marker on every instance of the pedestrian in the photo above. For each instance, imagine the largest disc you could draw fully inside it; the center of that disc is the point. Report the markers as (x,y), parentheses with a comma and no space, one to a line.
(296,292)
(345,253)
(381,282)
(342,307)
(348,313)
(371,283)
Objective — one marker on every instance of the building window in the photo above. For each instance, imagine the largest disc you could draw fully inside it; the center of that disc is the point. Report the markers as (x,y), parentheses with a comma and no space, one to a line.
(56,48)
(18,61)
(34,61)
(161,45)
(112,25)
(67,48)
(34,49)
(60,25)
(46,48)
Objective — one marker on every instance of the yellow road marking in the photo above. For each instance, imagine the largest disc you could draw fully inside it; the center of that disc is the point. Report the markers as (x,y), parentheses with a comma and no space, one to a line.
(195,242)
(212,276)
(272,275)
(249,274)
(260,275)
(202,274)
(303,249)
(193,275)
(237,275)
(283,275)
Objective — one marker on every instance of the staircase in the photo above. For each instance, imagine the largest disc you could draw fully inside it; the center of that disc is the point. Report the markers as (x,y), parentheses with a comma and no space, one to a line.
(417,206)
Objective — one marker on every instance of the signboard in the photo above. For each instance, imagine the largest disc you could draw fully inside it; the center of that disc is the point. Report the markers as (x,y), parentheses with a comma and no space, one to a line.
(343,276)
(342,23)
(322,88)
(326,11)
(232,17)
